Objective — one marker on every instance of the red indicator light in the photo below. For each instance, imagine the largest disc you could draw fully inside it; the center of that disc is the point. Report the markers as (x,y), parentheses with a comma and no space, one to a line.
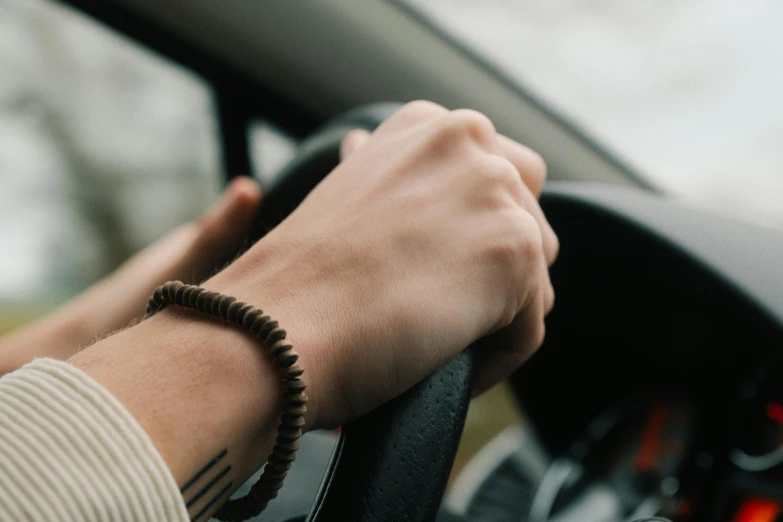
(649,452)
(775,412)
(758,510)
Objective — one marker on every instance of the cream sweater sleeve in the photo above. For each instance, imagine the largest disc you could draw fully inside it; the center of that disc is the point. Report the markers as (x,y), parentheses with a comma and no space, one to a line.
(70,451)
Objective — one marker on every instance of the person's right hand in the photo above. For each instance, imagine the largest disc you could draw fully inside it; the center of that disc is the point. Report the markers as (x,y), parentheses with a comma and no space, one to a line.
(426,238)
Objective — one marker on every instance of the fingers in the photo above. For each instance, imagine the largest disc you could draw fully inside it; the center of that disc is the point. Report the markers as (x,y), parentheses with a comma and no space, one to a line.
(549,297)
(524,197)
(502,353)
(412,114)
(529,163)
(352,141)
(550,242)
(409,115)
(531,166)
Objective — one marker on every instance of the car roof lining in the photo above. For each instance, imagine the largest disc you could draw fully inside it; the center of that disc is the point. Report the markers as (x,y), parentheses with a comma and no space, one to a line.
(328,57)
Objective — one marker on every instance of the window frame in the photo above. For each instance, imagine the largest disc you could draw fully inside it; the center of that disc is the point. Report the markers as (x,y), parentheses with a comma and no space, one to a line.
(238,99)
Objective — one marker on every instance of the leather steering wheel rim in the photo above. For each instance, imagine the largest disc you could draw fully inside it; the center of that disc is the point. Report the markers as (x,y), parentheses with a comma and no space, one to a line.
(393,464)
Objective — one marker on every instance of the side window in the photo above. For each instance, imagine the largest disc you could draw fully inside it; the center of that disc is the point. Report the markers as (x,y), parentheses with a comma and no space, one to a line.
(270,149)
(104,146)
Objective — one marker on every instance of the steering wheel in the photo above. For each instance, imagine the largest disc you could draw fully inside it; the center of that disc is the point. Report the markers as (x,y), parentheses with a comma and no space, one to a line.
(392,465)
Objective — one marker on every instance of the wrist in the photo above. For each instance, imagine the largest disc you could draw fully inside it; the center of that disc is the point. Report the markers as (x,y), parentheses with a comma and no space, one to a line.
(276,279)
(196,385)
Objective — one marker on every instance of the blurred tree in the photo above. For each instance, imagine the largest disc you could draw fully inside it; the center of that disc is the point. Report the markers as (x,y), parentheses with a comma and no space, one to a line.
(104,146)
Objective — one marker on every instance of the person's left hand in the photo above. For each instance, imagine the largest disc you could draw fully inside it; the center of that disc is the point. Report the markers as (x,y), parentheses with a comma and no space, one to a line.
(190,253)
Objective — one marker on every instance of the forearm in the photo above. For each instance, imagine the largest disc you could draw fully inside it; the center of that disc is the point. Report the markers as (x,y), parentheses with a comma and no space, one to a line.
(201,389)
(71,451)
(95,313)
(98,311)
(105,307)
(59,332)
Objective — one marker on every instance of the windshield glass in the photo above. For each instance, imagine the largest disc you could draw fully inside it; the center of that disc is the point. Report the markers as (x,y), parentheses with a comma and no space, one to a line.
(689,93)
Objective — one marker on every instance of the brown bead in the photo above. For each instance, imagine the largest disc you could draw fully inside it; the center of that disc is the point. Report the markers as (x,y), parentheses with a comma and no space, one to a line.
(277,334)
(258,324)
(225,302)
(250,317)
(291,372)
(268,327)
(186,294)
(287,359)
(200,298)
(233,310)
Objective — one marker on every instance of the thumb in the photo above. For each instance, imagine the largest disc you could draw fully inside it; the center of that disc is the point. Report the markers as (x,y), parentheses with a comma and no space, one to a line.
(229,219)
(352,141)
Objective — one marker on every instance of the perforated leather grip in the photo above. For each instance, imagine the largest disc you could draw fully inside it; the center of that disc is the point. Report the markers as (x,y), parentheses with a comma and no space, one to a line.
(393,464)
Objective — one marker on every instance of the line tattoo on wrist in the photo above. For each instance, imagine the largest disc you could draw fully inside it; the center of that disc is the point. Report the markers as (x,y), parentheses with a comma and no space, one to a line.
(207,486)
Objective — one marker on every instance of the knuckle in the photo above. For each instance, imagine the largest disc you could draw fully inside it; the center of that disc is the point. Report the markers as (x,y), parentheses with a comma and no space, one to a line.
(549,302)
(508,315)
(462,126)
(475,125)
(504,251)
(423,108)
(532,246)
(517,243)
(537,335)
(501,173)
(529,238)
(538,169)
(519,357)
(552,249)
(538,164)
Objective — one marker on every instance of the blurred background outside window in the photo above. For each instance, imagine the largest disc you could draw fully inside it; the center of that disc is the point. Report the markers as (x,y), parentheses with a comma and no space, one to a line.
(270,150)
(104,147)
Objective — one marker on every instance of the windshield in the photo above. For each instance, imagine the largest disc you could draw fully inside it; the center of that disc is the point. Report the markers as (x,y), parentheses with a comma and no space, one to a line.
(689,93)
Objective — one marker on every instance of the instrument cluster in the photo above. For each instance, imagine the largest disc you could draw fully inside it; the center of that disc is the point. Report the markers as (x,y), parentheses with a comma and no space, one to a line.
(641,459)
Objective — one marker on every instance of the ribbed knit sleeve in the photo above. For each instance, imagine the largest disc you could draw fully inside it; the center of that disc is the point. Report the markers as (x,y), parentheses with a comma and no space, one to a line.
(69,450)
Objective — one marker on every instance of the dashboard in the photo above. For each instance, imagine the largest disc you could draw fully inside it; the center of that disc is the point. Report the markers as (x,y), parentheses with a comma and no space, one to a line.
(659,390)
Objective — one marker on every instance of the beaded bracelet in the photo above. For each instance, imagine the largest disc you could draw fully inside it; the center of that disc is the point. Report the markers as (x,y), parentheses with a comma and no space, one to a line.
(294,398)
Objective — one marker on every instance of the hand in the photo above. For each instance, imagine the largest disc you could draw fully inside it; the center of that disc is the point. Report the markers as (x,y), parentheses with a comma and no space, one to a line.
(190,253)
(426,238)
